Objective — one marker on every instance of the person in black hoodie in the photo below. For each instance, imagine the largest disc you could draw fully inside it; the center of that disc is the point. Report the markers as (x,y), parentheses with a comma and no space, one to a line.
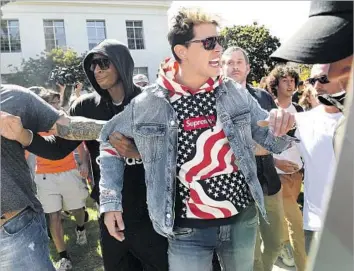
(109,67)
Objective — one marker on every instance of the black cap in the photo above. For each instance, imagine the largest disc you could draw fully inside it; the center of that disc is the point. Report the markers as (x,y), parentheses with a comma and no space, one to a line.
(326,37)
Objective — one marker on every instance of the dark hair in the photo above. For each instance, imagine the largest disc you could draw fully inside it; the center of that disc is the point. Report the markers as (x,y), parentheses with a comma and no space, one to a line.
(301,83)
(182,26)
(281,71)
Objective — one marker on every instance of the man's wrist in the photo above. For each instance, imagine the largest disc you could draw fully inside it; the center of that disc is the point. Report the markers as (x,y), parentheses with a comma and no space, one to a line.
(25,138)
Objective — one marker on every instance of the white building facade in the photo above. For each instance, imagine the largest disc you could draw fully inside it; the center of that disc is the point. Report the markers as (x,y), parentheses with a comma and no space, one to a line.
(31,27)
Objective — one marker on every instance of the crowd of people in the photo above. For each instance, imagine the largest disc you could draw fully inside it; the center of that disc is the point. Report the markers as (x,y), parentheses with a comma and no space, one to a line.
(198,171)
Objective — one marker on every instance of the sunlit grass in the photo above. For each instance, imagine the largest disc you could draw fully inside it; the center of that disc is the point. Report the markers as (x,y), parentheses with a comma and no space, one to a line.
(84,258)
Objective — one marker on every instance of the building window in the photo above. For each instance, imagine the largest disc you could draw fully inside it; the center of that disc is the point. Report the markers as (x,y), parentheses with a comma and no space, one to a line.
(135,35)
(10,36)
(141,70)
(96,32)
(54,34)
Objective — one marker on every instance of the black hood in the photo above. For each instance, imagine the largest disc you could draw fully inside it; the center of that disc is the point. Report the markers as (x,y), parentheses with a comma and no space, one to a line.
(119,55)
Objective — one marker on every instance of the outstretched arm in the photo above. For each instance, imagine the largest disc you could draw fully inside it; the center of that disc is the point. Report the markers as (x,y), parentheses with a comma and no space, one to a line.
(77,128)
(68,127)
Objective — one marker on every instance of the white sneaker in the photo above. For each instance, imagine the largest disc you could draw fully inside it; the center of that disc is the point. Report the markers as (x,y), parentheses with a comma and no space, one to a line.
(64,264)
(81,238)
(286,255)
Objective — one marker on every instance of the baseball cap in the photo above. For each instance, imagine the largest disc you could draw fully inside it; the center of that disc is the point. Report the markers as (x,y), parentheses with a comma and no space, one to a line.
(140,78)
(326,36)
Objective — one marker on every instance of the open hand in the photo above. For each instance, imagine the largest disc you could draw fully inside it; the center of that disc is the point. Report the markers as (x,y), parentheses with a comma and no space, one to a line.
(279,121)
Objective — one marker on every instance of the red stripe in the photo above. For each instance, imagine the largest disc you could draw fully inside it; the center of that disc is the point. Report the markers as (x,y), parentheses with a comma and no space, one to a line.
(195,197)
(110,151)
(207,148)
(199,213)
(233,162)
(221,159)
(168,85)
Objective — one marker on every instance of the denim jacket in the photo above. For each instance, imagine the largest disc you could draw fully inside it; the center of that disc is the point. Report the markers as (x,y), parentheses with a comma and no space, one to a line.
(151,122)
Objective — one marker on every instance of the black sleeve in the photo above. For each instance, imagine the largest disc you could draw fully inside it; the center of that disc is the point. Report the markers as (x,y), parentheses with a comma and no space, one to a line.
(52,147)
(76,108)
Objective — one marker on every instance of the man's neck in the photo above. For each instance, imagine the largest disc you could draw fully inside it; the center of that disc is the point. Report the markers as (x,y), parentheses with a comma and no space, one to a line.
(190,79)
(331,109)
(117,93)
(284,102)
(242,83)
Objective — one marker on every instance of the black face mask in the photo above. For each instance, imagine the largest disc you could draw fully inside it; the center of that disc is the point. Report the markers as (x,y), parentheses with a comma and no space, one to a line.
(336,100)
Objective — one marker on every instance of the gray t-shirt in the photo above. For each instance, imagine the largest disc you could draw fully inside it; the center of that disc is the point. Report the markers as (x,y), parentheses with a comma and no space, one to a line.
(38,116)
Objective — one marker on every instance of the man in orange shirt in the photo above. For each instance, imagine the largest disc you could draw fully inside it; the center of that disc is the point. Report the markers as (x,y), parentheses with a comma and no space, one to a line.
(60,186)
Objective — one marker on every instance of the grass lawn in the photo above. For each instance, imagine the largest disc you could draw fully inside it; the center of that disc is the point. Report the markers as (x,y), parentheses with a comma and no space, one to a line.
(87,257)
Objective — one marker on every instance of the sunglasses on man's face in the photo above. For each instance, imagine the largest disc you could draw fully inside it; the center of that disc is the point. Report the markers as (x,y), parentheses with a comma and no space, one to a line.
(103,63)
(321,79)
(209,43)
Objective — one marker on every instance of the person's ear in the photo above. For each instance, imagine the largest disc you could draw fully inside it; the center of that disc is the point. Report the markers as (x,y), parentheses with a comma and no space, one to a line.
(180,51)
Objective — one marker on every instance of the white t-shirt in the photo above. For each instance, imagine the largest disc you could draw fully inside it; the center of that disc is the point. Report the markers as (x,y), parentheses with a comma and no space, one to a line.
(291,154)
(315,129)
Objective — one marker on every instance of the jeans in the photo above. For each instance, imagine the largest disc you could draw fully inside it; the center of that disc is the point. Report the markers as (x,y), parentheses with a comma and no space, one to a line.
(293,223)
(24,243)
(192,249)
(271,233)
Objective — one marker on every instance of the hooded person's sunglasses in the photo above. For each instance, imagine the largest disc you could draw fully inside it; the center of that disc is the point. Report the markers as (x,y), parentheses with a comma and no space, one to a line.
(103,63)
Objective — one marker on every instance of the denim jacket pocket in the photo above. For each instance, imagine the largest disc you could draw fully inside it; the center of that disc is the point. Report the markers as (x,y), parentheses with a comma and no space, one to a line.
(242,124)
(150,140)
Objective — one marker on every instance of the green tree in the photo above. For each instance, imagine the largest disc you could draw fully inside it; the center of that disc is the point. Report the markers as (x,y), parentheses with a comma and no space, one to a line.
(259,44)
(36,71)
(304,71)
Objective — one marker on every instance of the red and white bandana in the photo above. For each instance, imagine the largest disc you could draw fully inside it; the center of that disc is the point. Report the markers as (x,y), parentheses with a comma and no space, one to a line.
(167,79)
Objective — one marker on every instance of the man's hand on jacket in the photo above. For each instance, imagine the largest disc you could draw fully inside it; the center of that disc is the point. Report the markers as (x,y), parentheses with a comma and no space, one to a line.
(124,146)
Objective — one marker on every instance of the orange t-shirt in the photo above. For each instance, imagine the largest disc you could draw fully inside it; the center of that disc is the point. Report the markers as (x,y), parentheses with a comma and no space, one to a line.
(45,166)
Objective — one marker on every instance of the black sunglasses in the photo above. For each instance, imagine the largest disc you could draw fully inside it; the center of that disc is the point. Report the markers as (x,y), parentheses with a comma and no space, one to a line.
(322,79)
(103,63)
(209,43)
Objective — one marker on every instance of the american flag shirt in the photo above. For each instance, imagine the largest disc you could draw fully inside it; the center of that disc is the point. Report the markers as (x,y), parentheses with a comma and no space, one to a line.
(210,187)
(209,184)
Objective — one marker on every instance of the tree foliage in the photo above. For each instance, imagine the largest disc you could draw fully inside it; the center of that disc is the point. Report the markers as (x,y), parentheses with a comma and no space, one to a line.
(36,71)
(259,44)
(304,71)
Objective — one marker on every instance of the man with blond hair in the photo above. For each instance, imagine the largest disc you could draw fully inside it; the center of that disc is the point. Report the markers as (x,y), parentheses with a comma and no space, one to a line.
(194,131)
